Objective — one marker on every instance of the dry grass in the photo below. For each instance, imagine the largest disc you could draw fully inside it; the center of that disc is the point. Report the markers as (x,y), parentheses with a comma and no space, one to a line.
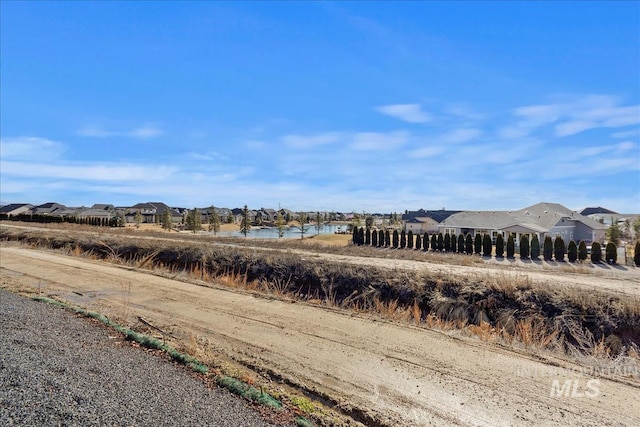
(490,306)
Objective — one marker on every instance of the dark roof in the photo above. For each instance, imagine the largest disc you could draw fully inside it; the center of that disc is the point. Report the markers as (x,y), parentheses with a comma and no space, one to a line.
(13,207)
(596,210)
(436,215)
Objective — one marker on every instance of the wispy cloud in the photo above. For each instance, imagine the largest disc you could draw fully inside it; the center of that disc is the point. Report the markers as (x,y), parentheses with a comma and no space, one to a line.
(458,136)
(147,131)
(30,148)
(410,113)
(310,141)
(375,141)
(573,116)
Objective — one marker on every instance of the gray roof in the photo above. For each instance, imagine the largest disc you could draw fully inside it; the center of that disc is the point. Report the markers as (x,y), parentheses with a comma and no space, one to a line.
(12,207)
(539,217)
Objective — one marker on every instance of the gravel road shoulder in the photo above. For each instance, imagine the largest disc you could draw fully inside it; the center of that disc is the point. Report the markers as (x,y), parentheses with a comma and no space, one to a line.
(59,369)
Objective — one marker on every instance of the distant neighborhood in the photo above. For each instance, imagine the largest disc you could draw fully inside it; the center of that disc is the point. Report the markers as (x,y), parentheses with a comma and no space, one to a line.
(542,219)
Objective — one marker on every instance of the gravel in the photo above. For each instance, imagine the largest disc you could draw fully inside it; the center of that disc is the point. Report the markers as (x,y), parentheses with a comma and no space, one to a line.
(59,369)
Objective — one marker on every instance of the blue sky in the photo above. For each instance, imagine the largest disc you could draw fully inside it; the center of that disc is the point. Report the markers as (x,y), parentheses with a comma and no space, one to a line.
(343,106)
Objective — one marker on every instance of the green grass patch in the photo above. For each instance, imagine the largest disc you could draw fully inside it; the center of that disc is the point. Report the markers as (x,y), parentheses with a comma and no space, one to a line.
(248,392)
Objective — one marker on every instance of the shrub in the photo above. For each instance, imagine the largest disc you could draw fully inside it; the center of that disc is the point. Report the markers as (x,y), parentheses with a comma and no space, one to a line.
(596,252)
(410,239)
(559,249)
(547,249)
(367,237)
(434,242)
(374,238)
(535,247)
(454,243)
(572,251)
(460,243)
(524,247)
(468,244)
(477,244)
(354,238)
(425,242)
(440,242)
(511,246)
(418,242)
(380,238)
(395,239)
(403,239)
(387,238)
(611,252)
(499,246)
(636,254)
(361,236)
(582,250)
(487,247)
(447,243)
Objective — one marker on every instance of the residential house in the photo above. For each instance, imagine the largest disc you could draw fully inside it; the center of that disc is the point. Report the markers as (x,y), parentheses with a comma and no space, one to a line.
(422,221)
(151,212)
(15,209)
(542,219)
(49,208)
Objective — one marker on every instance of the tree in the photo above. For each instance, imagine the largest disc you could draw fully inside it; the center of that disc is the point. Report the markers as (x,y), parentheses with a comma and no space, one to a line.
(547,248)
(367,237)
(230,219)
(138,218)
(361,236)
(572,251)
(499,246)
(194,220)
(477,244)
(374,238)
(434,242)
(487,247)
(582,250)
(368,221)
(535,247)
(214,220)
(614,232)
(395,239)
(318,222)
(468,244)
(425,242)
(636,228)
(166,219)
(280,225)
(596,252)
(447,242)
(454,243)
(559,249)
(354,236)
(381,238)
(611,253)
(245,223)
(410,239)
(636,254)
(440,242)
(511,246)
(403,239)
(387,238)
(418,242)
(524,247)
(460,243)
(303,227)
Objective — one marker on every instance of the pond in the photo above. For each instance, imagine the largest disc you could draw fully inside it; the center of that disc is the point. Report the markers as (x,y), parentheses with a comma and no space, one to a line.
(289,232)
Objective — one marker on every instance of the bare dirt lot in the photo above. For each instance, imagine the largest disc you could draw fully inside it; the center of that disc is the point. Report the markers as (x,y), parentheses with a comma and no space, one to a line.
(396,373)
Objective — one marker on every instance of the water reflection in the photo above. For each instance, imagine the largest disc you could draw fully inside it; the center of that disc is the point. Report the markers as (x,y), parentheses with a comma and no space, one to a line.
(289,232)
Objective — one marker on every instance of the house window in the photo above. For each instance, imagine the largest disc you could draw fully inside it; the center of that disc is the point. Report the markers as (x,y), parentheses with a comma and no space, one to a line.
(450,231)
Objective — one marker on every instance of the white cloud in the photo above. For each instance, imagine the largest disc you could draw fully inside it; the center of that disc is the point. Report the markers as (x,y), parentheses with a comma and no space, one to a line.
(425,152)
(626,134)
(374,141)
(142,132)
(411,113)
(310,141)
(30,148)
(458,136)
(571,117)
(87,171)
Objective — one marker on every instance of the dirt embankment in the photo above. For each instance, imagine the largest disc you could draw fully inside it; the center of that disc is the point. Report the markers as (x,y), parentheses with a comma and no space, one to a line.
(391,374)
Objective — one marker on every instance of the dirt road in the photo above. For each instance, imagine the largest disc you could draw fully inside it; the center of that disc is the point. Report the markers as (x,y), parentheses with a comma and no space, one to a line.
(399,374)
